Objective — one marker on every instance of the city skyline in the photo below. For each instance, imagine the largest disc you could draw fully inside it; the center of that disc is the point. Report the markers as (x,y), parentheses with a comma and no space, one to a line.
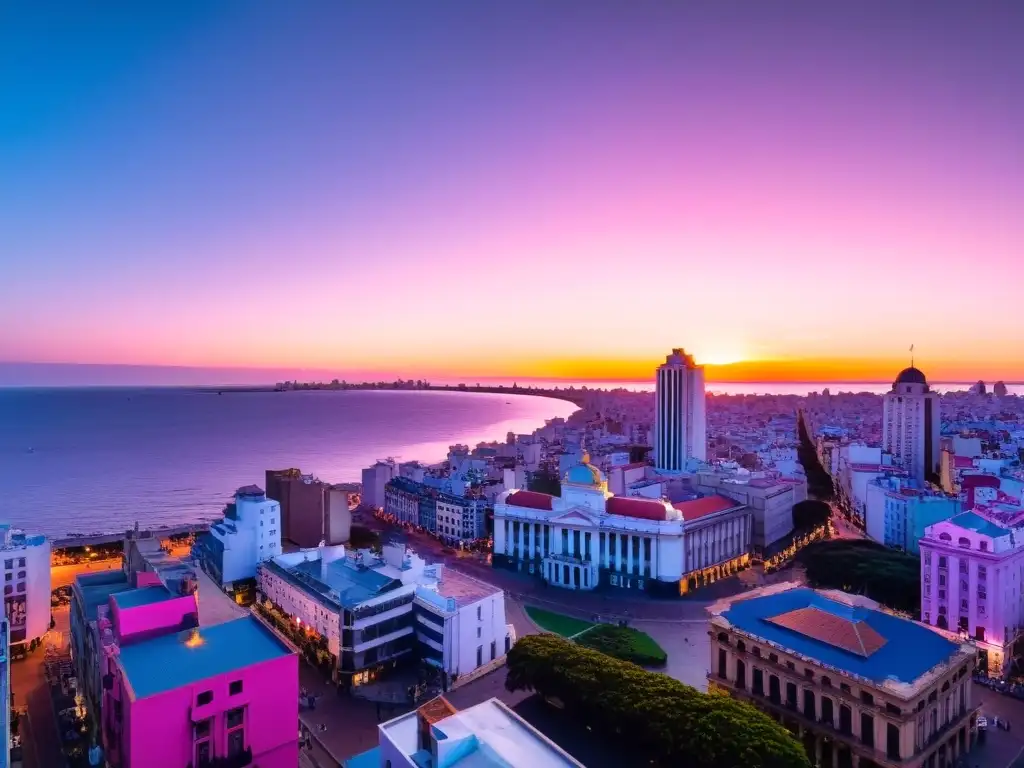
(342,189)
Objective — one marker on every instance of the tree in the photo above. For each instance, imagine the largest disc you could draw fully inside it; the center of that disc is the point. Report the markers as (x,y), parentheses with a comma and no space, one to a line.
(865,567)
(665,722)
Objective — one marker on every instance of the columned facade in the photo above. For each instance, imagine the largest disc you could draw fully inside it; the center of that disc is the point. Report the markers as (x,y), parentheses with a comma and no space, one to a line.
(846,720)
(587,540)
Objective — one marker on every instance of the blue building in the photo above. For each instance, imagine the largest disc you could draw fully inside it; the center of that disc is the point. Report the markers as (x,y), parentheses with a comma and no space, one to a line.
(858,685)
(898,510)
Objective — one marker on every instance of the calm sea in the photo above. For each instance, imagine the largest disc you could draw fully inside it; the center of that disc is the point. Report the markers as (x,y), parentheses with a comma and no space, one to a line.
(85,460)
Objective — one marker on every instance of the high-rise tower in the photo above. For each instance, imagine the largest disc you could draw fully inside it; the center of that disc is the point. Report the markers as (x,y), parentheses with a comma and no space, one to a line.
(680,432)
(911,424)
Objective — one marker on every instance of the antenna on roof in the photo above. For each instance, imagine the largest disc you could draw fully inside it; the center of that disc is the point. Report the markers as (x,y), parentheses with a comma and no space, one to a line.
(911,355)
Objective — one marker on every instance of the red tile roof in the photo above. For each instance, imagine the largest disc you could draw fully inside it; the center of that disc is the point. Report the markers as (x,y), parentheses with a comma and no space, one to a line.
(644,509)
(855,637)
(708,505)
(531,500)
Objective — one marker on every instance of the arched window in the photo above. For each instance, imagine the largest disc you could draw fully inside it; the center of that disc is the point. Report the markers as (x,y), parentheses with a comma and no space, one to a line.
(722,637)
(964,542)
(741,646)
(945,537)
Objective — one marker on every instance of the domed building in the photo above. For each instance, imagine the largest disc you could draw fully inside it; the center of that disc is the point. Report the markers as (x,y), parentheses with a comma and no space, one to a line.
(586,538)
(911,424)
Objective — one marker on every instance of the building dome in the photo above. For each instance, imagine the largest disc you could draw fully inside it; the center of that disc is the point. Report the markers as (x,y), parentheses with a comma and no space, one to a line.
(911,375)
(584,473)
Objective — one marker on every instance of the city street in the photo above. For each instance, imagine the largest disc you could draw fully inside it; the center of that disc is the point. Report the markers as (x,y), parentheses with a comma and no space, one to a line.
(41,745)
(1002,749)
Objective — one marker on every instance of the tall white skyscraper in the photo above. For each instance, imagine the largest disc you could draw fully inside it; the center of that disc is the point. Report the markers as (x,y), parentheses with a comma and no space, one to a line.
(911,424)
(680,432)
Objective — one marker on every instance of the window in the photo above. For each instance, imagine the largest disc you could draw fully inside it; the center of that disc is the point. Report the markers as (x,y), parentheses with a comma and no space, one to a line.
(494,650)
(203,746)
(826,682)
(867,698)
(21,574)
(479,655)
(478,632)
(235,688)
(204,698)
(964,542)
(790,665)
(983,546)
(21,562)
(8,576)
(479,614)
(8,564)
(236,731)
(942,562)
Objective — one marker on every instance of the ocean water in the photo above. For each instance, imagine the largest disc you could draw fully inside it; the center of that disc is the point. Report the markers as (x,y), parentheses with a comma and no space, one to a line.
(89,460)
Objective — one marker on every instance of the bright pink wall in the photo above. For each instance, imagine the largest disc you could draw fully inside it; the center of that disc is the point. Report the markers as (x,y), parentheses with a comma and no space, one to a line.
(146,620)
(147,579)
(161,726)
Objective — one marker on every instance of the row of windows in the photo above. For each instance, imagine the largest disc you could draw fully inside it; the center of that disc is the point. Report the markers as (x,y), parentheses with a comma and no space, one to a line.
(205,697)
(9,563)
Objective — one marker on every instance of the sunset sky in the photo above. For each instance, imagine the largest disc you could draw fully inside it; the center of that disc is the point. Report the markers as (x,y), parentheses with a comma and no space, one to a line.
(520,188)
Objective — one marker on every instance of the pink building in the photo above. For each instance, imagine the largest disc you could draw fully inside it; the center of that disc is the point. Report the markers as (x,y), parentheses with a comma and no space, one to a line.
(169,693)
(972,576)
(227,692)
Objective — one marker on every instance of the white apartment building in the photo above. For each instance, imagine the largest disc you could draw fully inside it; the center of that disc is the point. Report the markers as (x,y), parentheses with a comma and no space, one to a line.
(26,561)
(587,538)
(911,424)
(680,430)
(972,577)
(374,480)
(460,623)
(486,734)
(249,534)
(373,611)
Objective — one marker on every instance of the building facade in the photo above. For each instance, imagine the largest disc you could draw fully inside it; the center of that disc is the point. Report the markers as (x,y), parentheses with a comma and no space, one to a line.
(770,499)
(972,581)
(402,499)
(228,692)
(588,539)
(460,624)
(6,758)
(248,534)
(897,512)
(911,425)
(374,479)
(311,510)
(26,561)
(680,429)
(858,686)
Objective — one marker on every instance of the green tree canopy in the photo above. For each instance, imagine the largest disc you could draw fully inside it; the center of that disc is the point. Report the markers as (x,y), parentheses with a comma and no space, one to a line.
(865,567)
(666,722)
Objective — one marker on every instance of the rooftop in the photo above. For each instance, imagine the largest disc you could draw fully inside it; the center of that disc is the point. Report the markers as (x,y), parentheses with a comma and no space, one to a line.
(854,639)
(531,500)
(95,590)
(350,584)
(708,505)
(183,658)
(974,522)
(134,598)
(488,735)
(464,589)
(645,509)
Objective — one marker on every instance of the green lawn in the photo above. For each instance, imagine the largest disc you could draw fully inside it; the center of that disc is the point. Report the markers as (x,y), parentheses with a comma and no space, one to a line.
(566,626)
(626,644)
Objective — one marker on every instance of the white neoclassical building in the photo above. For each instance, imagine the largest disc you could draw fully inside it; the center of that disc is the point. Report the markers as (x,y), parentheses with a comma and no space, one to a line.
(587,538)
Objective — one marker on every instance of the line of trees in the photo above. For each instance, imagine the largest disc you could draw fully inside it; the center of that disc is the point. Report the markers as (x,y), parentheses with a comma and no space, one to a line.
(819,482)
(665,722)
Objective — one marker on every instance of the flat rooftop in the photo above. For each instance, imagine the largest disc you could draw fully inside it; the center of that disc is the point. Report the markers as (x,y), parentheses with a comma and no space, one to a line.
(176,660)
(134,598)
(860,641)
(352,584)
(488,735)
(978,524)
(465,590)
(95,590)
